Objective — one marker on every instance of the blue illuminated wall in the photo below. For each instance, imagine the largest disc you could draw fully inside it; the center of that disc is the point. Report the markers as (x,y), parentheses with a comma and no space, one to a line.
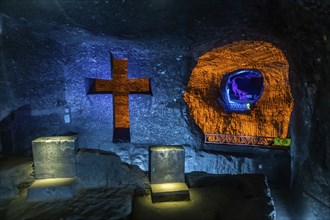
(48,69)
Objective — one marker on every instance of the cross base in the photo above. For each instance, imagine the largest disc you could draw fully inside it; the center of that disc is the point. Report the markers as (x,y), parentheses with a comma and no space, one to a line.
(121,135)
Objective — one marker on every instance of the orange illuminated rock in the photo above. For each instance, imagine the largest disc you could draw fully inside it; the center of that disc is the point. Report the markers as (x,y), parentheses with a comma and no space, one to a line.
(271,115)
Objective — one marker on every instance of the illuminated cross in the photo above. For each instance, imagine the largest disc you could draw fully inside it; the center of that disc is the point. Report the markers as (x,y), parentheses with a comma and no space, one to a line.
(120,86)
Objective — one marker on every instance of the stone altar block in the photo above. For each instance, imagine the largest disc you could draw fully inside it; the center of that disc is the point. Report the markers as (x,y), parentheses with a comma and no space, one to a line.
(166,164)
(54,157)
(167,174)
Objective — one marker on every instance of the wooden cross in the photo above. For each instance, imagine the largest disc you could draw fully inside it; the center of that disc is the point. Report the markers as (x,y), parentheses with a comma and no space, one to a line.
(120,86)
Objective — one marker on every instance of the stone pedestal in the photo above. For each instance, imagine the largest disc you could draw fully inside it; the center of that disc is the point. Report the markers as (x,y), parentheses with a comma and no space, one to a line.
(167,174)
(166,164)
(54,157)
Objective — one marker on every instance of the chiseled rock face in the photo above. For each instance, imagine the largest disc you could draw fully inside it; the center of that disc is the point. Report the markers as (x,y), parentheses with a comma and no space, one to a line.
(96,168)
(12,178)
(306,32)
(217,164)
(271,115)
(195,160)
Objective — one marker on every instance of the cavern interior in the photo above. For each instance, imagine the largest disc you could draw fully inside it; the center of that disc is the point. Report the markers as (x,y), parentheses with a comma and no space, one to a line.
(164,109)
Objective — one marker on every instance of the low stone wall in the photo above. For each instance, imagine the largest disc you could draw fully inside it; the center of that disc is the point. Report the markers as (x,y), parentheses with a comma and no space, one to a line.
(14,175)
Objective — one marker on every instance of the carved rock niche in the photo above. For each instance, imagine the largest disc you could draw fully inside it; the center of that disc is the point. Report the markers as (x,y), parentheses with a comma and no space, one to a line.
(270,115)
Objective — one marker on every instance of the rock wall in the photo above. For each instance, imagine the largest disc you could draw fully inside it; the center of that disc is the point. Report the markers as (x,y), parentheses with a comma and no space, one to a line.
(304,27)
(15,175)
(272,163)
(49,50)
(49,68)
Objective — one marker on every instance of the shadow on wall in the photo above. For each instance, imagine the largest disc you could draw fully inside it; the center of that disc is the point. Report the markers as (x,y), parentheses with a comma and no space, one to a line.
(14,130)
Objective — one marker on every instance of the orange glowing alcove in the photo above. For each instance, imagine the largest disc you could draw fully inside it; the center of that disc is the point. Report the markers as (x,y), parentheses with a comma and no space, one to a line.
(270,117)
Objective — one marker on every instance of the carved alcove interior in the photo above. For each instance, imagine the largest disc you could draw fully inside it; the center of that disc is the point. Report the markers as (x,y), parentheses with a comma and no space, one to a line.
(265,112)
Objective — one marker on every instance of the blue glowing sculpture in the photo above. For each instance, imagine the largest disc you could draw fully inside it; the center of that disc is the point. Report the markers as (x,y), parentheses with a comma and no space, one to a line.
(240,90)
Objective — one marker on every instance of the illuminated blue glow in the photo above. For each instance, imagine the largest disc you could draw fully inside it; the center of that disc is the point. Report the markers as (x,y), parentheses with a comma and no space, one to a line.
(240,90)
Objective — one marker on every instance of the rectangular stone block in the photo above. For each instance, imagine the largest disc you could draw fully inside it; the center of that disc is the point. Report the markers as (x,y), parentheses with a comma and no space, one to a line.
(54,157)
(166,164)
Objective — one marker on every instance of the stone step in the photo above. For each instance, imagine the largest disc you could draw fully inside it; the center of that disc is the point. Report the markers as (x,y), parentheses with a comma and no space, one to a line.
(51,189)
(166,192)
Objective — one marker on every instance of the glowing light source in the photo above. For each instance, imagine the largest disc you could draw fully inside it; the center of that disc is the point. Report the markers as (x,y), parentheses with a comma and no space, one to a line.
(50,189)
(169,186)
(165,192)
(53,182)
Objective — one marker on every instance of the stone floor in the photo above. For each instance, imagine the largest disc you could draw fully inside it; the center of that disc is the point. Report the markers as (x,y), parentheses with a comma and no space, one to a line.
(284,206)
(87,204)
(212,197)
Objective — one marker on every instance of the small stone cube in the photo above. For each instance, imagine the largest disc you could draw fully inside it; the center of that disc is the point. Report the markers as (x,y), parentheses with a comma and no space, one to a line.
(54,157)
(166,164)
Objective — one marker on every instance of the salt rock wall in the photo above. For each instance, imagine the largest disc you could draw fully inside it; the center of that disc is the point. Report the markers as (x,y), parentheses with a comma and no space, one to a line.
(305,29)
(271,115)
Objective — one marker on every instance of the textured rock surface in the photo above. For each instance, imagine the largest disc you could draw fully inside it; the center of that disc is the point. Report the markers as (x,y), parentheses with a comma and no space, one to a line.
(217,164)
(305,29)
(97,169)
(14,175)
(111,172)
(194,160)
(271,115)
(92,115)
(275,164)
